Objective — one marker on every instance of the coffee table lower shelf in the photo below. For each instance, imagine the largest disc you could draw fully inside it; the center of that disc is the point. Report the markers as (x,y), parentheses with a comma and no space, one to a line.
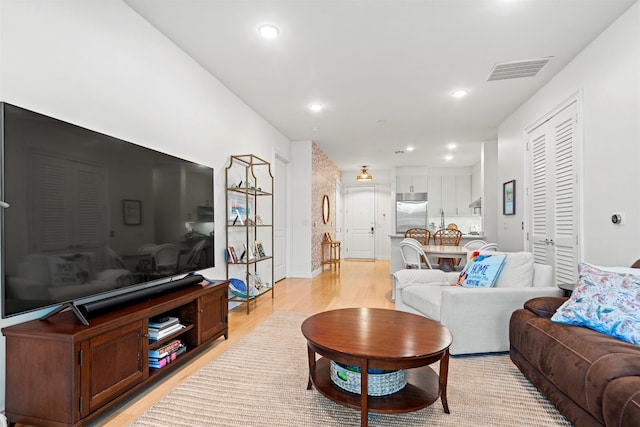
(422,389)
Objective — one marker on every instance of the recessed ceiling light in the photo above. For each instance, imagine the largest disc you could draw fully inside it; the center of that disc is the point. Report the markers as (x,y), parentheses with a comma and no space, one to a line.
(316,107)
(268,31)
(451,146)
(459,93)
(448,157)
(315,130)
(410,148)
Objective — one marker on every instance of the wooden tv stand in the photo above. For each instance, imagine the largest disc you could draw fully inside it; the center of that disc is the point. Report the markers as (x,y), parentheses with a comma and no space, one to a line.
(62,373)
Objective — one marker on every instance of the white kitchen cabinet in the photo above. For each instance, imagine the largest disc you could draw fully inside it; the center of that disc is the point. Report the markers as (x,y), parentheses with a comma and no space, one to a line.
(434,190)
(451,193)
(411,184)
(463,195)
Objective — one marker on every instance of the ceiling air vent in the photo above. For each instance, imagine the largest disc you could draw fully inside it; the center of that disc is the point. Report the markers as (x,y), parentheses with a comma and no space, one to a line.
(518,69)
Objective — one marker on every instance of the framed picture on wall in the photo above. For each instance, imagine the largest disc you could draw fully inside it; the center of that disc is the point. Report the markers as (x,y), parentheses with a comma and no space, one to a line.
(509,197)
(132,212)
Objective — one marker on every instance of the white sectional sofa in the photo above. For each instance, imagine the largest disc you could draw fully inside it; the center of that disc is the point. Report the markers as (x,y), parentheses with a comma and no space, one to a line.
(478,318)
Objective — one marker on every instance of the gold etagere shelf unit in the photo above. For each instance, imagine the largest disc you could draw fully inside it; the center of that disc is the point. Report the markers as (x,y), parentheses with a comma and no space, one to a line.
(249,211)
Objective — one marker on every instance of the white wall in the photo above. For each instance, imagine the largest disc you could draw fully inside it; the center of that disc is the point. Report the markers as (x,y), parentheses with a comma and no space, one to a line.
(491,192)
(301,156)
(607,75)
(100,65)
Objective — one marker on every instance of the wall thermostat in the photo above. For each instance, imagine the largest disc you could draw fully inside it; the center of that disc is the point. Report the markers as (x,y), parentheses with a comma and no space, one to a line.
(617,218)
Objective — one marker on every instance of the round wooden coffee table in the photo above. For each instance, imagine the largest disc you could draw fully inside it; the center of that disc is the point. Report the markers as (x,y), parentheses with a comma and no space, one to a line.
(373,338)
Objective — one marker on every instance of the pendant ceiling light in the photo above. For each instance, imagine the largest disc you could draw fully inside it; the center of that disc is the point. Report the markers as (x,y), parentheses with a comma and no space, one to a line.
(364,175)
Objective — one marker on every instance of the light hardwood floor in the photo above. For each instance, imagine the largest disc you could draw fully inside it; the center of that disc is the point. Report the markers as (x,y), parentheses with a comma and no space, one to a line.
(354,284)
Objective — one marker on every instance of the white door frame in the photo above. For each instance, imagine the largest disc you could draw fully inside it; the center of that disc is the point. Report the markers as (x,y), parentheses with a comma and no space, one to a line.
(283,207)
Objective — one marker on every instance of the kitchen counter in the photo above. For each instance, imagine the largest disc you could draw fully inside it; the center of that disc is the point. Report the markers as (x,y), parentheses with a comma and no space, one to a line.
(396,257)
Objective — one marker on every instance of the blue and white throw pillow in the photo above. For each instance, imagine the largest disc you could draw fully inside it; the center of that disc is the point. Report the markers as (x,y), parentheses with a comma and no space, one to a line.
(482,270)
(605,301)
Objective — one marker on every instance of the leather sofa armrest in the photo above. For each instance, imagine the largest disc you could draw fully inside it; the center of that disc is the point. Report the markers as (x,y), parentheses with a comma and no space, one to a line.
(544,306)
(621,402)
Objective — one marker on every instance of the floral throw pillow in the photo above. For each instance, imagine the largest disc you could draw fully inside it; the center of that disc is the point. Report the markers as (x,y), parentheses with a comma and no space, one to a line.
(605,301)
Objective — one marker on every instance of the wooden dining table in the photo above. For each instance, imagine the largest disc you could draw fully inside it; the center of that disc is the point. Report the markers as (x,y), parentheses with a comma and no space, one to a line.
(446,253)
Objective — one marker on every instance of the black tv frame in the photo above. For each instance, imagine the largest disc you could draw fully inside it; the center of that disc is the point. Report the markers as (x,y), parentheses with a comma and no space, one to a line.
(101,301)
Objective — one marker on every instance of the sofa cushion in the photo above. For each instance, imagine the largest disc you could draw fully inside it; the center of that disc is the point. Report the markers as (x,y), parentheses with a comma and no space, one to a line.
(517,271)
(425,299)
(604,301)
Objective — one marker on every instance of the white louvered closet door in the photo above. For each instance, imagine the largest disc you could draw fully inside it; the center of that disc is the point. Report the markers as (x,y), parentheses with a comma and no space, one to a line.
(554,202)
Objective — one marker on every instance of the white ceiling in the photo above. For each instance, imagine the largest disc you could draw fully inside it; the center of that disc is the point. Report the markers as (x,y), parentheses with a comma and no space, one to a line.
(383,69)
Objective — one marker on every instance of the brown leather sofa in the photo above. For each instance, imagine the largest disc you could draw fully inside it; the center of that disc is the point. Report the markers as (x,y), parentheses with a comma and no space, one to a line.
(592,378)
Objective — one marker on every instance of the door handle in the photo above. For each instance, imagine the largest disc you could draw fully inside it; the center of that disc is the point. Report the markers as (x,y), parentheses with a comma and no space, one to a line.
(372,232)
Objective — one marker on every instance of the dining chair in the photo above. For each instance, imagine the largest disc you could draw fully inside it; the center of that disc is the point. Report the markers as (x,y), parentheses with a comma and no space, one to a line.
(475,244)
(447,237)
(413,255)
(422,235)
(489,247)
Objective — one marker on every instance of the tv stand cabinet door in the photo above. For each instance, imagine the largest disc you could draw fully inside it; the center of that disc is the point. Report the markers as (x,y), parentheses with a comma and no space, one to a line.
(213,314)
(41,376)
(112,363)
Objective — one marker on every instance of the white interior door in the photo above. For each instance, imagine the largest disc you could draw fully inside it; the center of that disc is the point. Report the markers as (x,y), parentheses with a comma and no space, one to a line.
(360,216)
(280,220)
(554,202)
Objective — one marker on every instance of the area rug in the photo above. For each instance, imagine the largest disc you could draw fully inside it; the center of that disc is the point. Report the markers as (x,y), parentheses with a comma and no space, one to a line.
(262,381)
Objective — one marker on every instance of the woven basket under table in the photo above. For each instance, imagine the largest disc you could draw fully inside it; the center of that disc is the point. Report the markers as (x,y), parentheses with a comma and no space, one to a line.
(381,383)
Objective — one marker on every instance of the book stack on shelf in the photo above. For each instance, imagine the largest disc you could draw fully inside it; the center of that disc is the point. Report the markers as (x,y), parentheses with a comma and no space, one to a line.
(231,255)
(162,327)
(162,356)
(245,254)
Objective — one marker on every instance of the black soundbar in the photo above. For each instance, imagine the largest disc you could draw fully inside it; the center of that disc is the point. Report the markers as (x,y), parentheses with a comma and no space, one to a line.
(94,307)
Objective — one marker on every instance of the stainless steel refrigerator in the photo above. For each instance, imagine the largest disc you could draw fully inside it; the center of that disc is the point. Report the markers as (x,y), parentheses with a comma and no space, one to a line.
(411,211)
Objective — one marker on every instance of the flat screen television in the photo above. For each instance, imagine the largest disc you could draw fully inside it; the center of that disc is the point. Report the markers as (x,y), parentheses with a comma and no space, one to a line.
(85,214)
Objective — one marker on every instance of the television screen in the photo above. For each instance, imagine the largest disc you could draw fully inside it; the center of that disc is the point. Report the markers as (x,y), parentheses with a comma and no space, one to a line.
(87,214)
